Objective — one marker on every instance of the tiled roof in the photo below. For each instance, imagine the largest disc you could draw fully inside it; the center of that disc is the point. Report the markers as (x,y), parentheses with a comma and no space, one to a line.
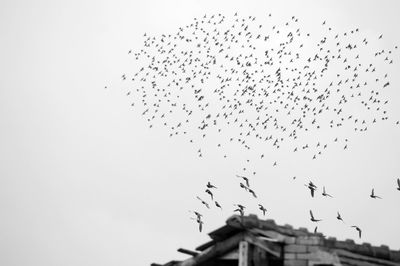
(297,241)
(236,223)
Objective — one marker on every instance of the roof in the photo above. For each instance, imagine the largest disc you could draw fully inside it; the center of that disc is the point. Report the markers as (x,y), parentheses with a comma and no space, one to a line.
(271,237)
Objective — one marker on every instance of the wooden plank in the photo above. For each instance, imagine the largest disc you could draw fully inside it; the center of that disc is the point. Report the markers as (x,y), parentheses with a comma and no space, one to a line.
(346,256)
(259,243)
(188,252)
(256,258)
(219,249)
(232,255)
(243,253)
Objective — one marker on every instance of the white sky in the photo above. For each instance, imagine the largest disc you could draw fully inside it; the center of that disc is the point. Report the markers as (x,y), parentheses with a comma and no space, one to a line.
(84,181)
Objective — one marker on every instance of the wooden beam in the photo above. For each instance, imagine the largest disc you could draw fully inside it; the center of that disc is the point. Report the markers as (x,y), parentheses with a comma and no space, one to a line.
(261,244)
(188,252)
(260,257)
(243,253)
(219,249)
(345,255)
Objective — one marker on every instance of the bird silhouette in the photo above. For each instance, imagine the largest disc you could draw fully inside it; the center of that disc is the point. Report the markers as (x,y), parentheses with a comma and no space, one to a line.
(312,188)
(373,195)
(198,215)
(199,222)
(325,194)
(203,202)
(245,179)
(253,193)
(262,208)
(218,205)
(241,212)
(312,217)
(398,184)
(209,185)
(339,217)
(243,186)
(358,229)
(210,193)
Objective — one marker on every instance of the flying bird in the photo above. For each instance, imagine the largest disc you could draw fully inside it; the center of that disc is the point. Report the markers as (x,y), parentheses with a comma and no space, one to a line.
(198,215)
(243,186)
(199,221)
(398,184)
(252,192)
(241,207)
(312,188)
(209,185)
(245,179)
(262,208)
(218,205)
(358,229)
(203,202)
(325,194)
(210,193)
(373,195)
(241,211)
(312,217)
(339,217)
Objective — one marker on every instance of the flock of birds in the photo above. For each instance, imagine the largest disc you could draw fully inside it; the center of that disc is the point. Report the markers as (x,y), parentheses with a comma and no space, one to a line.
(241,208)
(312,187)
(254,83)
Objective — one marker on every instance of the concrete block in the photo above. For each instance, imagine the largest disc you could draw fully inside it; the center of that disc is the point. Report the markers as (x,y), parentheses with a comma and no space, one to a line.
(311,240)
(295,248)
(290,240)
(313,248)
(307,256)
(290,256)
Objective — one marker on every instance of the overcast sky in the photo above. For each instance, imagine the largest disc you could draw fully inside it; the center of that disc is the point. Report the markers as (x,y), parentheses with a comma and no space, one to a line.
(84,181)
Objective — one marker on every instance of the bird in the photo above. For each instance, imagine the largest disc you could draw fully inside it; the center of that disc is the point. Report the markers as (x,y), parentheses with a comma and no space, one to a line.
(209,185)
(218,205)
(325,194)
(312,188)
(398,184)
(245,179)
(243,186)
(252,192)
(316,231)
(262,208)
(200,225)
(199,221)
(203,202)
(241,212)
(358,229)
(211,194)
(373,195)
(312,217)
(198,215)
(339,217)
(241,207)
